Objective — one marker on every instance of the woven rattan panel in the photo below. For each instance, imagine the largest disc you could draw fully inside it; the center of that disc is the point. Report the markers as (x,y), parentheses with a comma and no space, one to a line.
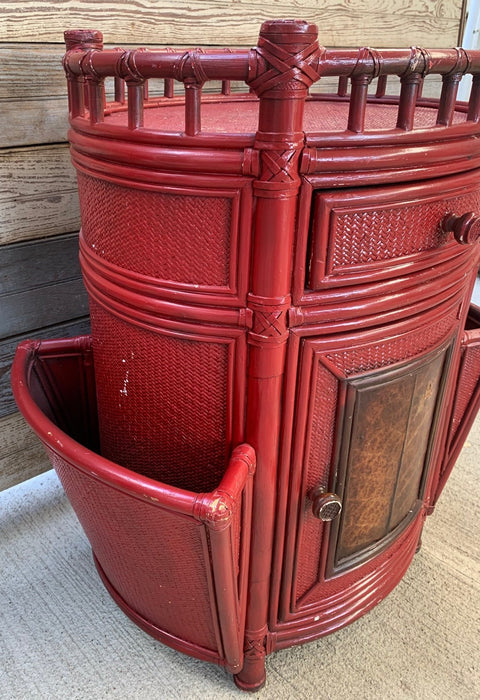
(154,559)
(391,232)
(161,402)
(176,237)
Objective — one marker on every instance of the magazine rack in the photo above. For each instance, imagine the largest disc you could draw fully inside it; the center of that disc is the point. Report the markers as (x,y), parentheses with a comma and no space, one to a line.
(279,275)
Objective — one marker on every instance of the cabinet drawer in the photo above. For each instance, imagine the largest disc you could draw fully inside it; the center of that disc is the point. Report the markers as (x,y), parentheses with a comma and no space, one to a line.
(361,235)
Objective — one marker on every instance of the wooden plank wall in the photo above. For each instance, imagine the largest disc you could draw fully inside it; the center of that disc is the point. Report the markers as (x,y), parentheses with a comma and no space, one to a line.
(40,289)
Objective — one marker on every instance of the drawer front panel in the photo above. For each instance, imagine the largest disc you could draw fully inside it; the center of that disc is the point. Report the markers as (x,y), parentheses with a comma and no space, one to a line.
(367,234)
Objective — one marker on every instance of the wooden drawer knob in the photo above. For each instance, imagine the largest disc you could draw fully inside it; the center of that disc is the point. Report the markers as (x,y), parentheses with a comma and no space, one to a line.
(465,228)
(325,506)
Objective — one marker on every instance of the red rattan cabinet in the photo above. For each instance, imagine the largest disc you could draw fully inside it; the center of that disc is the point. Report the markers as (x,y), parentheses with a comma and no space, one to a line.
(284,362)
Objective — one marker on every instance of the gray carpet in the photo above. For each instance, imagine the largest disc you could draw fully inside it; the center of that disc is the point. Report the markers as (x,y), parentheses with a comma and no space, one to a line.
(61,636)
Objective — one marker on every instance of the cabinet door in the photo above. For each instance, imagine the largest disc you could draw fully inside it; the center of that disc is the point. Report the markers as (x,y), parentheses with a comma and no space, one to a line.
(368,413)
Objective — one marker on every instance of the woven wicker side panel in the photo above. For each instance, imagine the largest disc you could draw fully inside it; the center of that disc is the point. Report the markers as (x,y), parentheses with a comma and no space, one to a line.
(153,558)
(175,237)
(467,382)
(162,402)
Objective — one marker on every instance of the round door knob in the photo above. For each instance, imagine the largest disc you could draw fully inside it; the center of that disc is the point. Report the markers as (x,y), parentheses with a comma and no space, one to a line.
(465,228)
(325,506)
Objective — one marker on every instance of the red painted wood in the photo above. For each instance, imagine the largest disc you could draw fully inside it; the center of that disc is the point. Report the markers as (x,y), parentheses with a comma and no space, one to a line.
(255,261)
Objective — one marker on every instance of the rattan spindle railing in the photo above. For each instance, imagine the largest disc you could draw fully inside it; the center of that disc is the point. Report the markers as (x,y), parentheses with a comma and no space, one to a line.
(381,86)
(119,90)
(411,84)
(135,99)
(448,99)
(474,102)
(87,64)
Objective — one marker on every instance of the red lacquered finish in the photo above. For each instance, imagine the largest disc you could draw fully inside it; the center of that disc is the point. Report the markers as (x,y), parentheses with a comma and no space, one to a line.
(286,268)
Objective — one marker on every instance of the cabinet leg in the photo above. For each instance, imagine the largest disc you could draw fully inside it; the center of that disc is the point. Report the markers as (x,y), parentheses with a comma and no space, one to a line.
(252,676)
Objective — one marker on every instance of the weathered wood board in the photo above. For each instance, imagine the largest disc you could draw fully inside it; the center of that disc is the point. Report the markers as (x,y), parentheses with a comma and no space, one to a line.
(21,453)
(346,22)
(31,71)
(43,306)
(31,122)
(41,296)
(36,265)
(38,193)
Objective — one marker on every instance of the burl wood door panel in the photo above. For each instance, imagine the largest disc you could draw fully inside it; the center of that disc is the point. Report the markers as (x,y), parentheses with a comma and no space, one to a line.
(384,448)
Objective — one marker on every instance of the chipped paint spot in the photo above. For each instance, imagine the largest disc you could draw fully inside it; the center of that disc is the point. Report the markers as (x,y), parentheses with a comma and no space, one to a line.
(124,391)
